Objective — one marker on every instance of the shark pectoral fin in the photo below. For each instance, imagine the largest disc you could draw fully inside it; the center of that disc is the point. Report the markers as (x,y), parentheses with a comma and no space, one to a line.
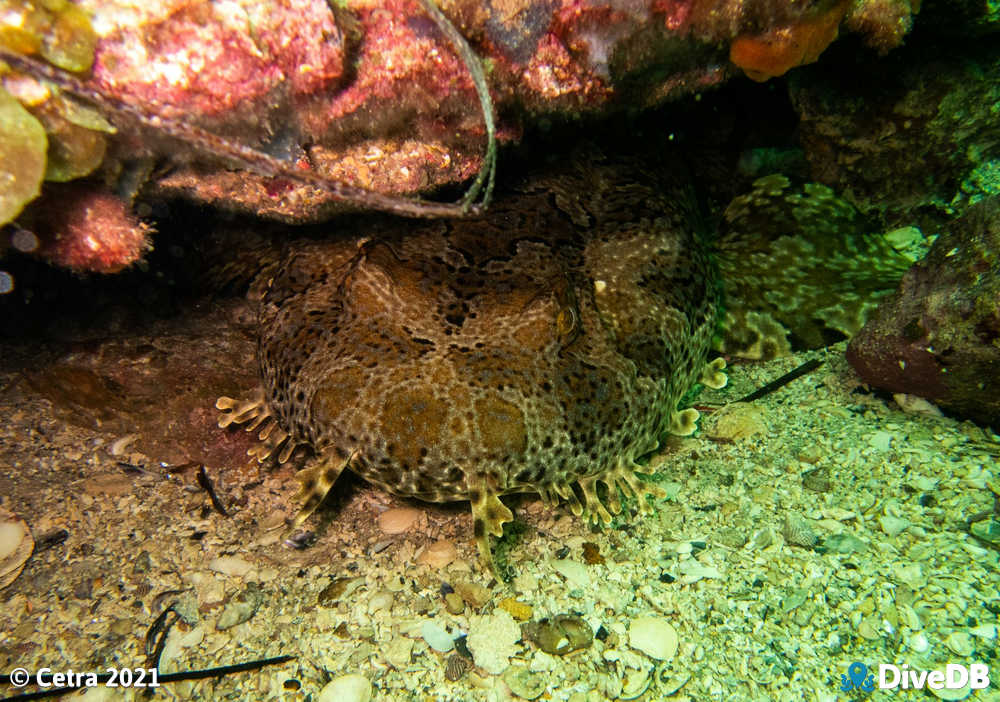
(316,483)
(489,515)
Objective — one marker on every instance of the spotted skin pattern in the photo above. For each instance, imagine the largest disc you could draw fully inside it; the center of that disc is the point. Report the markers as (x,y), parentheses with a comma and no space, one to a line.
(541,348)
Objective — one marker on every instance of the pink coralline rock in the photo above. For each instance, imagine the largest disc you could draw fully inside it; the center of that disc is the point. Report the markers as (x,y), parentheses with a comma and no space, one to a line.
(84,228)
(371,93)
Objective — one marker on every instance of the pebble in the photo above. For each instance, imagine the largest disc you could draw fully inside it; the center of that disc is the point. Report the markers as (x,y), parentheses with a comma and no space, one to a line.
(493,640)
(524,683)
(438,554)
(960,644)
(517,609)
(230,565)
(346,688)
(653,636)
(436,637)
(561,634)
(576,573)
(454,603)
(398,519)
(737,421)
(844,543)
(397,653)
(240,608)
(382,599)
(331,595)
(893,526)
(474,594)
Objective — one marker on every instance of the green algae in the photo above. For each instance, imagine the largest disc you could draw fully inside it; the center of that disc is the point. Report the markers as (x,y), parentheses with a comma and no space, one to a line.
(23,146)
(56,30)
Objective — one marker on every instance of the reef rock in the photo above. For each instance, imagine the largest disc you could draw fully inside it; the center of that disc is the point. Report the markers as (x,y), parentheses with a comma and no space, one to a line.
(939,336)
(372,93)
(911,138)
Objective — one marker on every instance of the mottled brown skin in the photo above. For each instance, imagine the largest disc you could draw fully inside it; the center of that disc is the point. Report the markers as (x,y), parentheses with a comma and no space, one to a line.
(544,345)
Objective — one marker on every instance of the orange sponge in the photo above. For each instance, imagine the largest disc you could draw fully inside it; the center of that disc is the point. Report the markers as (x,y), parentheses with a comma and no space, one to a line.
(774,52)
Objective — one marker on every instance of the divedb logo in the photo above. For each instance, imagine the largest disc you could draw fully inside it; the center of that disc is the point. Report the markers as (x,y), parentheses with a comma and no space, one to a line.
(901,677)
(953,677)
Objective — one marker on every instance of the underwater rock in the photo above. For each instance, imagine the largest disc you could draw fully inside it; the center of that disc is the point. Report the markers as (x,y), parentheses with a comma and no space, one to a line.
(370,93)
(241,608)
(559,635)
(346,688)
(961,18)
(905,137)
(86,229)
(939,336)
(493,640)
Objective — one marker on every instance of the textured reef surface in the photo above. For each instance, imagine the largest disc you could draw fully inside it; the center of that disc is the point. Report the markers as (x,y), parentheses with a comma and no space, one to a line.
(939,336)
(370,94)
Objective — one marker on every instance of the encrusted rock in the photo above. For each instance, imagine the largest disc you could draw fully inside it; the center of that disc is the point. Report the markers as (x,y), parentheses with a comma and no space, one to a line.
(939,336)
(493,640)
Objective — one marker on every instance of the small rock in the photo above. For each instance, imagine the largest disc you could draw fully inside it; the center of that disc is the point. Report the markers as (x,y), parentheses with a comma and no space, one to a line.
(230,565)
(397,653)
(910,574)
(517,609)
(16,546)
(438,554)
(474,594)
(492,640)
(454,603)
(524,683)
(817,480)
(398,520)
(893,526)
(844,543)
(653,636)
(382,599)
(241,607)
(736,421)
(575,572)
(346,688)
(960,644)
(436,637)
